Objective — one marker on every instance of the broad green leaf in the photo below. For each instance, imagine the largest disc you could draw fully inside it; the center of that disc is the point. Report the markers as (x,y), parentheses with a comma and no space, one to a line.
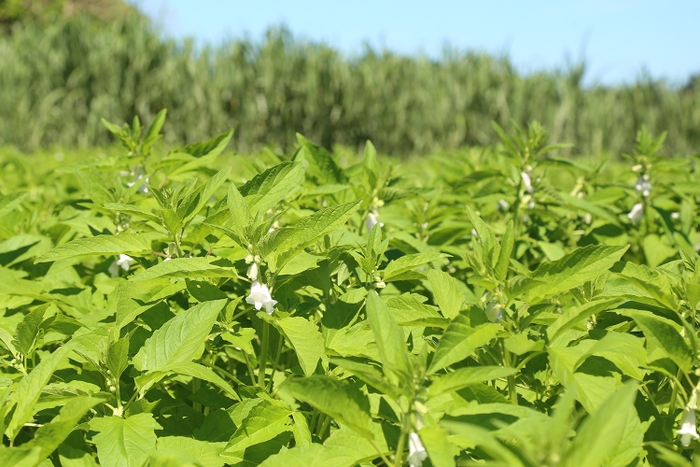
(306,340)
(264,421)
(587,206)
(179,340)
(30,387)
(574,315)
(240,213)
(612,437)
(10,202)
(368,374)
(206,374)
(191,268)
(389,337)
(650,281)
(464,377)
(21,456)
(408,263)
(28,330)
(339,400)
(133,210)
(574,269)
(51,435)
(118,357)
(310,228)
(206,454)
(266,189)
(663,337)
(459,341)
(124,442)
(441,452)
(104,245)
(322,164)
(344,448)
(446,293)
(205,193)
(214,146)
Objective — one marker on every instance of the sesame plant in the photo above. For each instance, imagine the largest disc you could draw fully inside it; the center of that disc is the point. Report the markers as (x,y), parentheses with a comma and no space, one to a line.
(491,306)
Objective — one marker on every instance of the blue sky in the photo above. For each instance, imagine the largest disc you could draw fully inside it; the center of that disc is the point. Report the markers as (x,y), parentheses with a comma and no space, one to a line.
(620,39)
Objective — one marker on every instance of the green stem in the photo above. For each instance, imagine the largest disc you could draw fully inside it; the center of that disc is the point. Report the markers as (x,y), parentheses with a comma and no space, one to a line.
(398,457)
(674,393)
(263,354)
(275,361)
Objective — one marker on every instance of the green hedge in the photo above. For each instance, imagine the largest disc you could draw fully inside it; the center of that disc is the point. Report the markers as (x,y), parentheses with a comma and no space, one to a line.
(58,79)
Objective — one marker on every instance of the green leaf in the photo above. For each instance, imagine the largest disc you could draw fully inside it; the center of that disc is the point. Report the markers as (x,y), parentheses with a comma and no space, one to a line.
(21,456)
(586,206)
(10,202)
(369,375)
(407,263)
(133,210)
(339,400)
(464,377)
(650,281)
(213,147)
(268,188)
(202,372)
(104,245)
(441,452)
(306,340)
(572,270)
(30,387)
(206,454)
(612,437)
(28,330)
(322,166)
(118,357)
(390,339)
(264,421)
(446,293)
(459,341)
(507,243)
(204,194)
(179,340)
(51,435)
(240,213)
(663,337)
(124,442)
(191,268)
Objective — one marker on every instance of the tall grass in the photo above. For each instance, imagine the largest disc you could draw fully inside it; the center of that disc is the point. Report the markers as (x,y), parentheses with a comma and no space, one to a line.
(57,81)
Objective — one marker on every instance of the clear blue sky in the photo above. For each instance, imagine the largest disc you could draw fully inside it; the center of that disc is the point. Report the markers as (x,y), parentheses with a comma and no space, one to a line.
(618,38)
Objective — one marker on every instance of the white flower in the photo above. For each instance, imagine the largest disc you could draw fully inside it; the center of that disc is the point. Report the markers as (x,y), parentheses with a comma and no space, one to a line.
(637,213)
(371,221)
(675,215)
(253,272)
(123,262)
(416,452)
(502,205)
(526,181)
(260,296)
(643,185)
(493,311)
(688,429)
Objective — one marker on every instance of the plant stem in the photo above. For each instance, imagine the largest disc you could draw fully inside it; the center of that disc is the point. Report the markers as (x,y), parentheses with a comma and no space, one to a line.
(263,354)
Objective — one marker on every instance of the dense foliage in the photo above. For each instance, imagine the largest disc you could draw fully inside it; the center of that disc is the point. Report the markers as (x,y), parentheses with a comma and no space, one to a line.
(500,305)
(58,78)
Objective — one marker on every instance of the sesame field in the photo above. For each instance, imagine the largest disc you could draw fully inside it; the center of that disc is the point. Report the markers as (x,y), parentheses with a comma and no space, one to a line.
(499,305)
